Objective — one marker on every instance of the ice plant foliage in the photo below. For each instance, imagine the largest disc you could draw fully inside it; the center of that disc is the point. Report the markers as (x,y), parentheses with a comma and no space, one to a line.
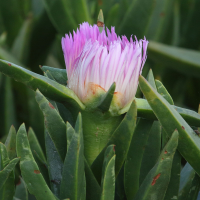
(95,60)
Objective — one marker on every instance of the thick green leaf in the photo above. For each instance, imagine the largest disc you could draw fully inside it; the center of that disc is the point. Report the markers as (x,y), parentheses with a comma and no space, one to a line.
(134,157)
(54,124)
(60,13)
(108,174)
(189,142)
(11,143)
(173,187)
(4,174)
(29,169)
(73,176)
(93,190)
(156,182)
(150,79)
(145,111)
(8,189)
(152,150)
(55,165)
(70,132)
(21,191)
(42,167)
(34,144)
(186,177)
(35,81)
(109,153)
(183,60)
(122,139)
(59,75)
(162,90)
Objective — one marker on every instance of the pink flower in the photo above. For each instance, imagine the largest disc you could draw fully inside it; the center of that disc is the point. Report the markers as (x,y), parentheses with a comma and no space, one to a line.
(95,60)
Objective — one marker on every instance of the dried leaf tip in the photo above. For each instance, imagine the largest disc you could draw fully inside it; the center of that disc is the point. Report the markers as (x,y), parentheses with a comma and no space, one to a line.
(100,21)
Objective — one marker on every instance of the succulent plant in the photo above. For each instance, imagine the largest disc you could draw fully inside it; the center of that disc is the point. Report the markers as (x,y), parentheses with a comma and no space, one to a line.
(101,142)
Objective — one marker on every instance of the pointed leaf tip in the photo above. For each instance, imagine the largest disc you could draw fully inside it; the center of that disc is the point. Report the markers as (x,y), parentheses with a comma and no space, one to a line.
(100,21)
(107,99)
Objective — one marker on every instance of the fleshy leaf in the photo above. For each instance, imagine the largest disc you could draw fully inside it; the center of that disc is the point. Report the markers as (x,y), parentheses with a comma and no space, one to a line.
(189,142)
(29,169)
(48,87)
(156,182)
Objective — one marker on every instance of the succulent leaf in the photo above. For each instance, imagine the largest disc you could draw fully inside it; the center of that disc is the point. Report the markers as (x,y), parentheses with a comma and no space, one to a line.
(10,143)
(170,120)
(4,173)
(50,88)
(163,91)
(29,169)
(186,177)
(73,175)
(156,182)
(34,144)
(93,189)
(134,157)
(108,174)
(8,189)
(152,150)
(122,139)
(21,191)
(55,165)
(54,124)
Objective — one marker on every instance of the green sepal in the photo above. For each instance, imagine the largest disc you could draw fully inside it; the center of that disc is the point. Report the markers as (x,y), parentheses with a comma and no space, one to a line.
(73,176)
(156,182)
(163,91)
(59,75)
(122,139)
(4,173)
(10,143)
(29,169)
(49,88)
(107,99)
(108,174)
(134,157)
(189,142)
(54,124)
